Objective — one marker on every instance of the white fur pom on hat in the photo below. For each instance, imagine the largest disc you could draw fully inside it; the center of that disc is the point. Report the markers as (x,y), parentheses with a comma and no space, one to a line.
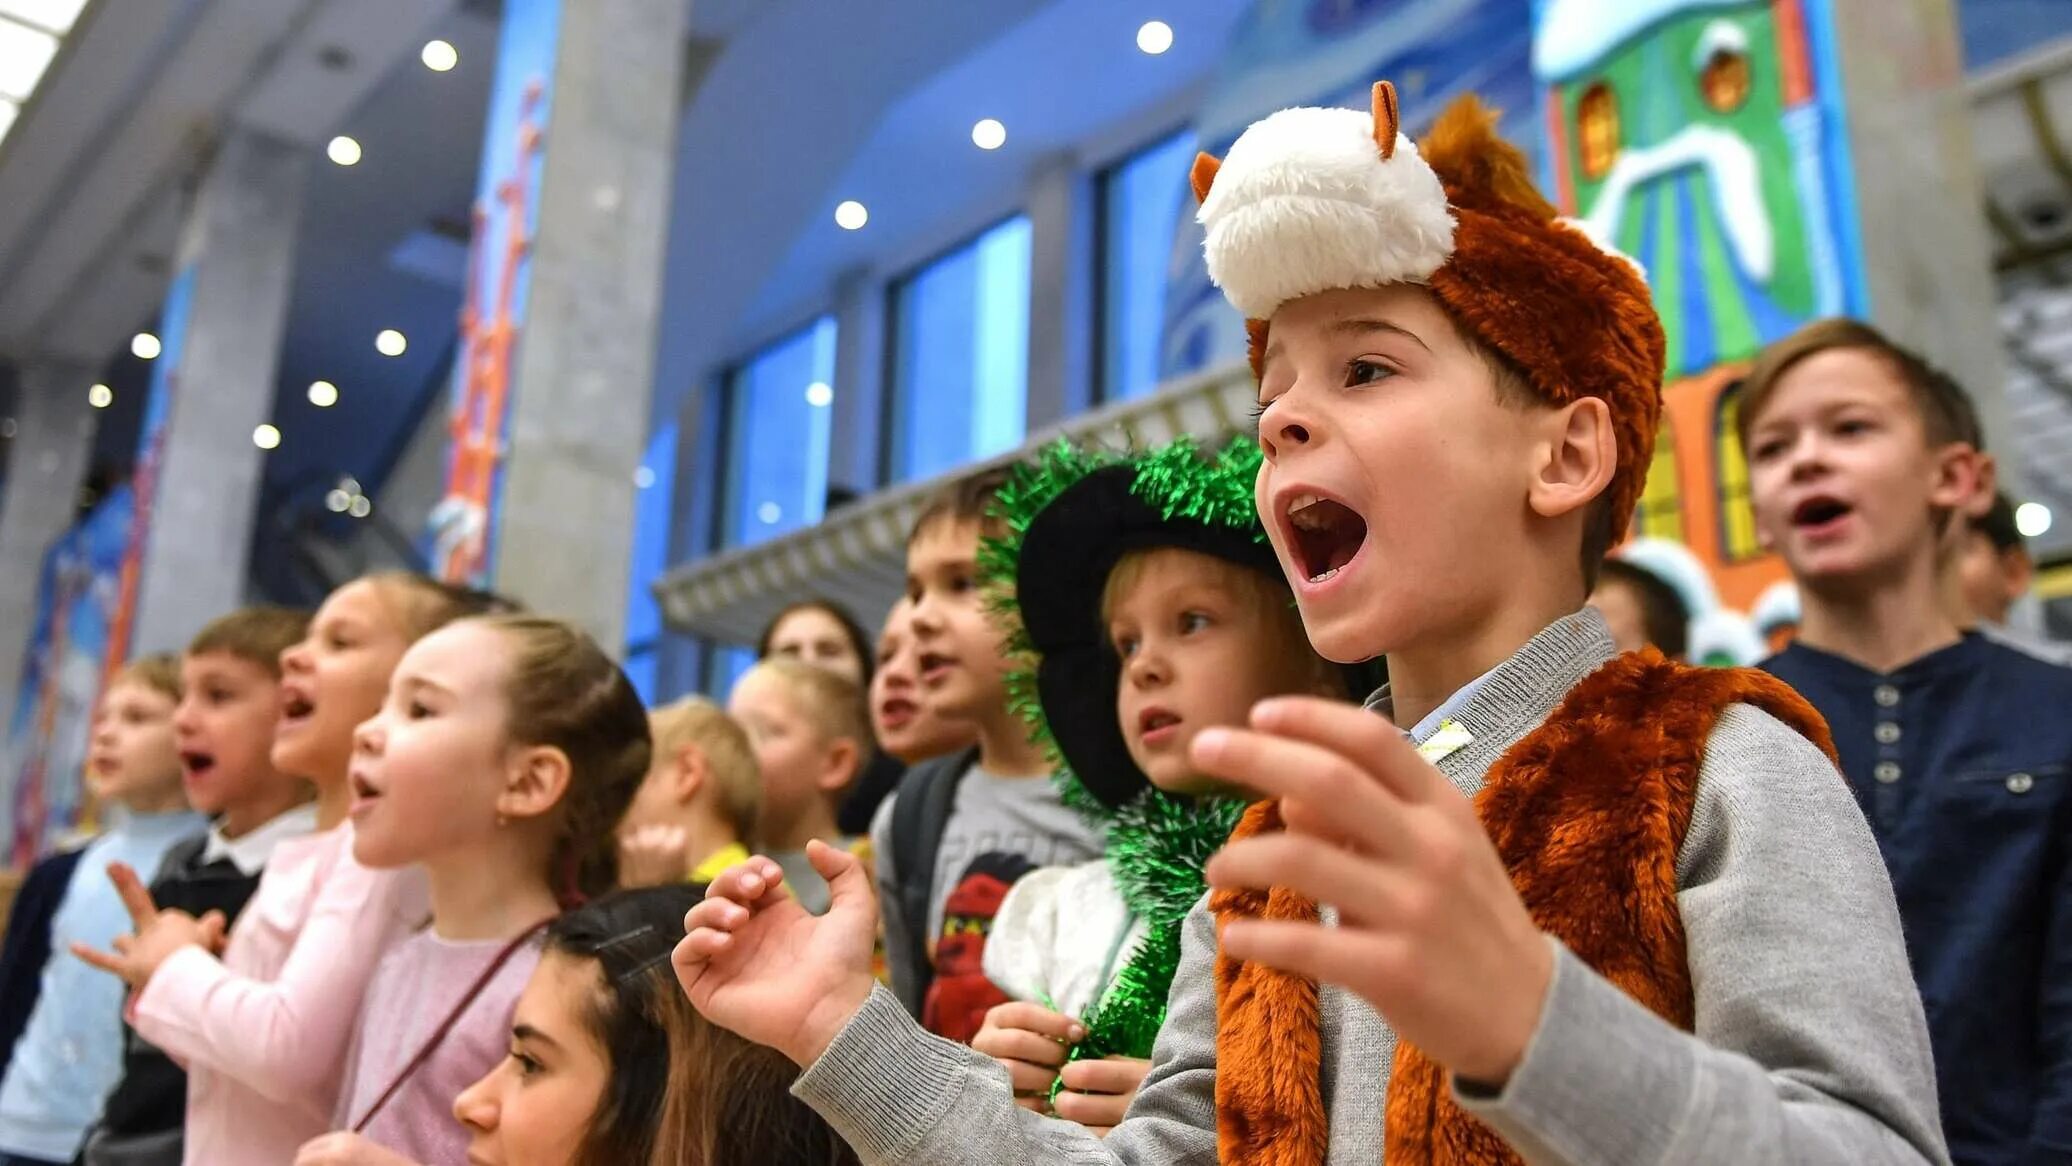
(1309,200)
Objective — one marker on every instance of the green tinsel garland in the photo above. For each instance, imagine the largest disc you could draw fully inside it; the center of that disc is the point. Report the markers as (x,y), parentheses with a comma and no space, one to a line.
(1157,844)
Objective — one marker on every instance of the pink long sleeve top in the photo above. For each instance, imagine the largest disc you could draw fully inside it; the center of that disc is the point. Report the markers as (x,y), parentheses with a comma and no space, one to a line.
(264,1030)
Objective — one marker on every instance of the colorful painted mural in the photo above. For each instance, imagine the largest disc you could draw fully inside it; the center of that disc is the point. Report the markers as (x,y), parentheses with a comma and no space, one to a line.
(1705,139)
(461,541)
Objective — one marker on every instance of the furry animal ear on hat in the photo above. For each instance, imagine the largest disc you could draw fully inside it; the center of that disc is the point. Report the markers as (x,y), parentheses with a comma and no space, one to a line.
(1314,200)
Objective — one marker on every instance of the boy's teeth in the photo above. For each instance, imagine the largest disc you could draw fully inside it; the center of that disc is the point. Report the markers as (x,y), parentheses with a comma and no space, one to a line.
(1326,575)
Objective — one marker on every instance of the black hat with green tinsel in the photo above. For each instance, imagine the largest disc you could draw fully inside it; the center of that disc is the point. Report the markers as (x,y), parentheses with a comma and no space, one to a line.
(1071,516)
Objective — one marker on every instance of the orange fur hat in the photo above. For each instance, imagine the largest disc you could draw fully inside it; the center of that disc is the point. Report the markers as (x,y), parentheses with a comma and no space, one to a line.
(1312,200)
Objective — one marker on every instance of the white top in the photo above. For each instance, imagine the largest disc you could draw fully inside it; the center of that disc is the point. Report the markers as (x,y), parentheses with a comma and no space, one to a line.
(249,851)
(1060,937)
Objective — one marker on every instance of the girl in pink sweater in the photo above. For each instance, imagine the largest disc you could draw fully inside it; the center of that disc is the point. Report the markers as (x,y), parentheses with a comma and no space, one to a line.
(500,766)
(263,1022)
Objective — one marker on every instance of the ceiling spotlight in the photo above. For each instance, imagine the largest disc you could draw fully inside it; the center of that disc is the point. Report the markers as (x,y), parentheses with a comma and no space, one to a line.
(100,396)
(851,216)
(338,501)
(323,394)
(349,484)
(266,437)
(643,478)
(1155,37)
(820,394)
(145,346)
(390,342)
(343,150)
(989,134)
(769,513)
(439,56)
(2032,519)
(362,506)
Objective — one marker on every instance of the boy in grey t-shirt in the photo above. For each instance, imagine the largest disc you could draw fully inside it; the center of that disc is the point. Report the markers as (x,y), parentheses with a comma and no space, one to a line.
(974,823)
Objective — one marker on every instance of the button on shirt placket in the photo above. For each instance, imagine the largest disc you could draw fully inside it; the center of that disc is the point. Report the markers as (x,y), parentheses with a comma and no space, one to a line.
(1889,801)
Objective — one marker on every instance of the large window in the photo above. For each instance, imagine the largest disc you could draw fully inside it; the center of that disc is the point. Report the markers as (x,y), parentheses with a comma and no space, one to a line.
(723,666)
(777,426)
(1142,199)
(960,356)
(655,483)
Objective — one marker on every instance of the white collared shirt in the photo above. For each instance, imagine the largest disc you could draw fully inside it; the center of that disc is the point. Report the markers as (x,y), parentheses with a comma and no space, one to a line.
(249,852)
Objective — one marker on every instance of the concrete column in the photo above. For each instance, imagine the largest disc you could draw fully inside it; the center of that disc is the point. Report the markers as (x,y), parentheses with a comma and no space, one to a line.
(54,436)
(1926,256)
(222,340)
(583,367)
(859,409)
(1061,223)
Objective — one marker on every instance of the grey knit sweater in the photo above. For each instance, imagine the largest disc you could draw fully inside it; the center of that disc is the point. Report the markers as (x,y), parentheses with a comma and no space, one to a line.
(1810,1044)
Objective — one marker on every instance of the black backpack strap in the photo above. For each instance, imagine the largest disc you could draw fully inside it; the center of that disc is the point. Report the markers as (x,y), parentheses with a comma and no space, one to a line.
(926,796)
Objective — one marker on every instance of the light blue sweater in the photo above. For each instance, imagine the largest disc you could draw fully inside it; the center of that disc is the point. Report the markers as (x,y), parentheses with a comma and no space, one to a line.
(70,1055)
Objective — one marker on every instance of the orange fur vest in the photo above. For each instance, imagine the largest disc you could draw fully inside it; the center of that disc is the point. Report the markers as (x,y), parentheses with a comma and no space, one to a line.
(1588,812)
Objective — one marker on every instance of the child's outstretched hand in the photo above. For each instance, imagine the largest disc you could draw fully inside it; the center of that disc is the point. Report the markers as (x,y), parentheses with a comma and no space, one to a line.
(1031,1041)
(158,933)
(1431,931)
(752,960)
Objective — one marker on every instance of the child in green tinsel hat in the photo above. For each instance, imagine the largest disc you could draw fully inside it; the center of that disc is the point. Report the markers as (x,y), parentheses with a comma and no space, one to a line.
(1146,594)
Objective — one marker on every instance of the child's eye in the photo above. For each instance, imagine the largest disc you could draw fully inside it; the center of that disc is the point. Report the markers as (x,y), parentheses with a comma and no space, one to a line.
(1852,427)
(1125,646)
(1766,450)
(418,711)
(1366,372)
(961,583)
(1194,621)
(527,1066)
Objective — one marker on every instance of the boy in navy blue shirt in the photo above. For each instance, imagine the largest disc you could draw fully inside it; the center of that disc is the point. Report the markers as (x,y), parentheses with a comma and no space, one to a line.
(1956,746)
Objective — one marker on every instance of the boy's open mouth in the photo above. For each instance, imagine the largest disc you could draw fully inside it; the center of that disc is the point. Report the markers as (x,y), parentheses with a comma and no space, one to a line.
(1153,720)
(897,713)
(935,667)
(1326,534)
(196,765)
(1819,511)
(295,706)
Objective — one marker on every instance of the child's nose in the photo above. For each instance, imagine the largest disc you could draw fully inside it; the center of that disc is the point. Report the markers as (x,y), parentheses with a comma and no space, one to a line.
(474,1109)
(1283,428)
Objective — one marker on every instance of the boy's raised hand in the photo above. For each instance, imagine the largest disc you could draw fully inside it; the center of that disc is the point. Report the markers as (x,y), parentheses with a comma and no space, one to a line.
(1430,930)
(752,960)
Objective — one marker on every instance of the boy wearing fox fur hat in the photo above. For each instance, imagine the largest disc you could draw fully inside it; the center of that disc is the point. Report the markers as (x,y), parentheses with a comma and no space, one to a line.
(1588,909)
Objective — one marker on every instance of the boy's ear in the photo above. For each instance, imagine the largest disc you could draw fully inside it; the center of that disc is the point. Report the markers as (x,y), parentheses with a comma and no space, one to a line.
(1576,461)
(1962,481)
(534,783)
(1987,486)
(688,773)
(844,762)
